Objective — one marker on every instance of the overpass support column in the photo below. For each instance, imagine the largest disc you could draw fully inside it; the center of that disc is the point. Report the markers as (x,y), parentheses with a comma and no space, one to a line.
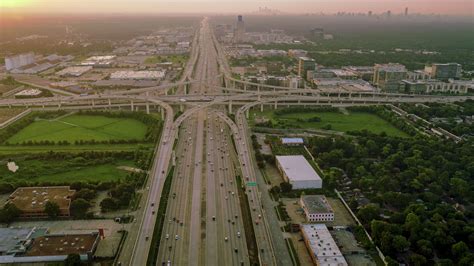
(181,107)
(261,107)
(276,104)
(185,89)
(93,103)
(162,112)
(247,113)
(110,102)
(258,88)
(230,107)
(42,106)
(233,84)
(131,106)
(245,86)
(147,108)
(259,97)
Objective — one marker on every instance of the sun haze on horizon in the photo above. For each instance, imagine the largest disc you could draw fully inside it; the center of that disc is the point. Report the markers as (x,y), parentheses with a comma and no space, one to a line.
(455,7)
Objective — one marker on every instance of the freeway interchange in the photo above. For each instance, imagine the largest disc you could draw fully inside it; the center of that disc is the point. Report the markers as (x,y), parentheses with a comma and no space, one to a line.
(209,219)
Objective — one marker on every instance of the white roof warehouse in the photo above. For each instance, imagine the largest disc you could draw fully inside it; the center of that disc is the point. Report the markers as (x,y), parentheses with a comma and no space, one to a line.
(297,171)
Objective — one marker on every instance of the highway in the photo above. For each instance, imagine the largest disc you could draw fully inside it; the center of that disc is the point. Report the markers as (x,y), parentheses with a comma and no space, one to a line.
(204,222)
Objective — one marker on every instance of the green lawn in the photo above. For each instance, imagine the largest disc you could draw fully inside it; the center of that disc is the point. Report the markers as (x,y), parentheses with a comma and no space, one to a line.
(81,127)
(339,122)
(62,172)
(4,150)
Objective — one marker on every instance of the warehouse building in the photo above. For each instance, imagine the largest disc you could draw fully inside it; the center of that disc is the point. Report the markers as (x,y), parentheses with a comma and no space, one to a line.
(32,200)
(296,170)
(321,246)
(138,75)
(75,71)
(316,208)
(292,141)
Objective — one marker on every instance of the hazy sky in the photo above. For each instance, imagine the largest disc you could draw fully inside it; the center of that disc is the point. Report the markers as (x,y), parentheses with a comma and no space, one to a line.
(464,7)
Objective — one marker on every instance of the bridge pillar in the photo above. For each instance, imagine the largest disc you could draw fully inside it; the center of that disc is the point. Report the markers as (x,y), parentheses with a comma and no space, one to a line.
(233,84)
(360,95)
(181,107)
(110,102)
(93,103)
(261,107)
(185,89)
(258,88)
(259,97)
(131,106)
(338,95)
(245,86)
(230,107)
(247,113)
(147,108)
(162,115)
(59,105)
(42,106)
(276,105)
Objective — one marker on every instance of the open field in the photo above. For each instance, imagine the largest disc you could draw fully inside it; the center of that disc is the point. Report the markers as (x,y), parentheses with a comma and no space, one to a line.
(4,150)
(6,114)
(64,172)
(353,121)
(81,127)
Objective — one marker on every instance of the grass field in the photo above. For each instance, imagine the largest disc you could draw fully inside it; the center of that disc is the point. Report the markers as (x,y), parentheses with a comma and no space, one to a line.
(81,127)
(6,114)
(339,122)
(4,150)
(59,172)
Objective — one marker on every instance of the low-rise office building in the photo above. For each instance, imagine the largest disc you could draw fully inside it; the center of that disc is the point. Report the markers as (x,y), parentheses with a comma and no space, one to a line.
(32,200)
(296,170)
(316,208)
(321,246)
(388,77)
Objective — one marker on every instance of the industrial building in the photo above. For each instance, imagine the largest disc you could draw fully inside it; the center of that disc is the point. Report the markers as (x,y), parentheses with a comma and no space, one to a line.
(321,246)
(296,170)
(32,200)
(316,208)
(99,61)
(75,71)
(292,141)
(138,75)
(36,245)
(388,77)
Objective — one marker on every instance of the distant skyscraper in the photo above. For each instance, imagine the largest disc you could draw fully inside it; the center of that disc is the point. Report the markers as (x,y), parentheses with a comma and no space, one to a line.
(406,11)
(389,13)
(239,34)
(370,13)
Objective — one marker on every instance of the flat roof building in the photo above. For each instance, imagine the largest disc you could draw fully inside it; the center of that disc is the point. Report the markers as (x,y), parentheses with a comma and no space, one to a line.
(296,170)
(316,208)
(40,247)
(292,141)
(75,71)
(138,75)
(321,246)
(388,77)
(31,200)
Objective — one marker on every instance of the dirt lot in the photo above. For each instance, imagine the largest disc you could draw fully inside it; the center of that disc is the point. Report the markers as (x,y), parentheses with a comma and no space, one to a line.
(301,250)
(273,175)
(341,216)
(354,254)
(294,210)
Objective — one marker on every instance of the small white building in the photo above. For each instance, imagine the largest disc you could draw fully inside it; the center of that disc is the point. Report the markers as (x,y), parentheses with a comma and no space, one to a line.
(292,141)
(317,208)
(321,246)
(296,170)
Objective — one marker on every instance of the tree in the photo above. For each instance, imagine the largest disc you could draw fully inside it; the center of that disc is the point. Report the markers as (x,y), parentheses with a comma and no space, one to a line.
(417,259)
(400,243)
(459,249)
(73,260)
(85,193)
(286,187)
(108,204)
(52,209)
(368,213)
(79,208)
(9,213)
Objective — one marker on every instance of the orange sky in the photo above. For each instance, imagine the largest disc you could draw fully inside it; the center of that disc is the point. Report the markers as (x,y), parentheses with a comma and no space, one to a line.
(453,7)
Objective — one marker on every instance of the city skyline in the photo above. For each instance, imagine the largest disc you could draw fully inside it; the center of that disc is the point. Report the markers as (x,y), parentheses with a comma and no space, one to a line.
(457,7)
